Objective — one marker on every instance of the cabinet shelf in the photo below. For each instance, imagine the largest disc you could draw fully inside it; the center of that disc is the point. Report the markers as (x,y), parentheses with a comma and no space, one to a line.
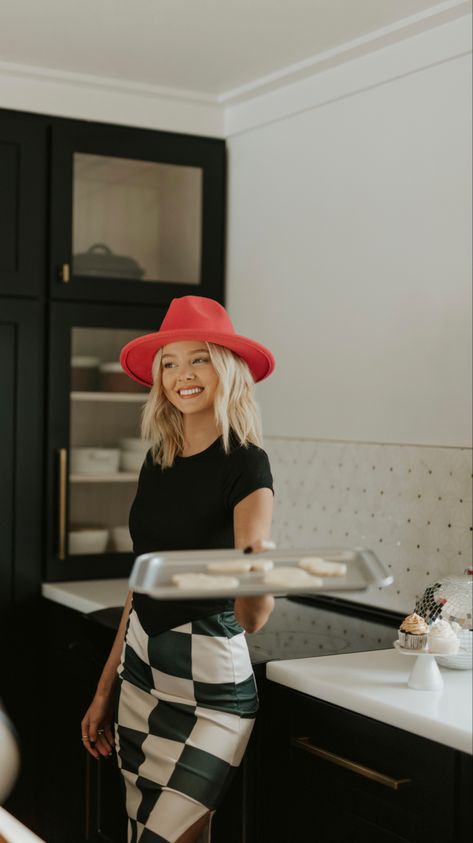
(118,477)
(124,397)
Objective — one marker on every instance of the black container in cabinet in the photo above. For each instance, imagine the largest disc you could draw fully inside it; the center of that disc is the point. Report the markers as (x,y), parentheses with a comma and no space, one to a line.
(23,209)
(136,215)
(98,417)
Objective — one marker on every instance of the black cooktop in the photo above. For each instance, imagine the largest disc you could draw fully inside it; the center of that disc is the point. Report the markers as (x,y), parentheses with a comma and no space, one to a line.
(302,628)
(306,627)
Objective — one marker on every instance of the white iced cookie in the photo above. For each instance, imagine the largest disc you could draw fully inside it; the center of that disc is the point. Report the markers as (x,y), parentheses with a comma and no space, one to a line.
(322,568)
(262,565)
(232,566)
(200,582)
(291,578)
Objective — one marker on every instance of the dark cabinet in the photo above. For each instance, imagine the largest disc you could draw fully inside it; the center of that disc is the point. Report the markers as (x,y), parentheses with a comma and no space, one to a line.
(136,215)
(21,475)
(100,227)
(23,176)
(130,219)
(330,774)
(21,452)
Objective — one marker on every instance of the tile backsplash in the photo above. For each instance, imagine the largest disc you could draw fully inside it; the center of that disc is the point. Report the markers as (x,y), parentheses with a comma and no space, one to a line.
(411,505)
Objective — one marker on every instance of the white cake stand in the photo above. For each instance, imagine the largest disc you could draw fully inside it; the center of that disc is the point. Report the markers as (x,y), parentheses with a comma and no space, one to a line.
(425,675)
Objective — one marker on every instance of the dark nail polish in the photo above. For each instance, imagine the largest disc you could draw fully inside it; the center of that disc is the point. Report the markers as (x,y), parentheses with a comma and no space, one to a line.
(248,549)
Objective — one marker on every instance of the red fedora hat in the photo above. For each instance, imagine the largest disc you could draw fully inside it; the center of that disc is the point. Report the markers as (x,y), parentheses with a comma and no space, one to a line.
(194,318)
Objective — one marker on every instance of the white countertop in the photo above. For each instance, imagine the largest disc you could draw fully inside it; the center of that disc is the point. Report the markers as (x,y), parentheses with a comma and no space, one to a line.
(87,595)
(375,684)
(15,832)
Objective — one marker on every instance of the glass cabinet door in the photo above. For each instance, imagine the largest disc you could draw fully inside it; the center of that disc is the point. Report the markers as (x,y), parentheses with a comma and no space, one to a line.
(136,215)
(136,220)
(96,448)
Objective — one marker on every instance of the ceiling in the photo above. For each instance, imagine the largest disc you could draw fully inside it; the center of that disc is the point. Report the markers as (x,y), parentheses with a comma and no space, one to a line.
(210,47)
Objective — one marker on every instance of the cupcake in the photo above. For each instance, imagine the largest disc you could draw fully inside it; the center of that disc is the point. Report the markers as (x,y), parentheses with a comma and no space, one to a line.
(413,633)
(443,638)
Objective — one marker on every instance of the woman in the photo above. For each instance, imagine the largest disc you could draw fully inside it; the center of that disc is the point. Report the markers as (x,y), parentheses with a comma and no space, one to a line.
(186,690)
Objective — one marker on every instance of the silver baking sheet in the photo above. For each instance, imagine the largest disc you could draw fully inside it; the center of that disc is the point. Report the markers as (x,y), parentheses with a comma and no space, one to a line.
(152,572)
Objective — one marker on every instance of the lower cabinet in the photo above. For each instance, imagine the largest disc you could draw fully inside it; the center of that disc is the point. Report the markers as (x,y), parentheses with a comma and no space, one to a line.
(313,772)
(330,775)
(82,799)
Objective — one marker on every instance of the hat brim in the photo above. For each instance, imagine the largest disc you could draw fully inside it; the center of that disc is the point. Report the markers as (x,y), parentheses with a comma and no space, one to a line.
(137,356)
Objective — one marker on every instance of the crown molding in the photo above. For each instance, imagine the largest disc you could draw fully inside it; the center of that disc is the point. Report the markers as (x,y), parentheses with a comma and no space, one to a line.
(285,92)
(407,27)
(86,97)
(105,83)
(446,42)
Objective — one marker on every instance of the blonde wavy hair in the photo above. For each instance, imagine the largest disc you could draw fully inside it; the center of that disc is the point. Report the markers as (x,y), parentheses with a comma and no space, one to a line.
(237,414)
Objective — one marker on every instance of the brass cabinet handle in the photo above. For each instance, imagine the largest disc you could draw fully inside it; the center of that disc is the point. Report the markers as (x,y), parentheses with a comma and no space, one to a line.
(65,273)
(359,769)
(62,509)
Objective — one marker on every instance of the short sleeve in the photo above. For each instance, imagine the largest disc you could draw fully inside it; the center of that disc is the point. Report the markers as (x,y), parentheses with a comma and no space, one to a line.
(249,470)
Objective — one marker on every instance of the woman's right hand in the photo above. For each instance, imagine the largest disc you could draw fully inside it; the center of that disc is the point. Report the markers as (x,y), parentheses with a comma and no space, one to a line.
(96,726)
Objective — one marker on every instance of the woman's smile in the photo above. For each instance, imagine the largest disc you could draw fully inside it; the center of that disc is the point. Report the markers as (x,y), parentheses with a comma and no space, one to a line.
(190,392)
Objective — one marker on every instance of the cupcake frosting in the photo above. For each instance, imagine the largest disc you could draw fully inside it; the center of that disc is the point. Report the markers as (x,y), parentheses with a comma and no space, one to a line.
(441,629)
(414,624)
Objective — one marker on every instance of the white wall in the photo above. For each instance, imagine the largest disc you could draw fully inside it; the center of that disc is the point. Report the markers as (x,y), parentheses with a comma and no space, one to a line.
(349,255)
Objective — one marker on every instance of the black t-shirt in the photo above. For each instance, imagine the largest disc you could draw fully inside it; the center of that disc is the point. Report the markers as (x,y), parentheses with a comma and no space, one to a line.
(189,506)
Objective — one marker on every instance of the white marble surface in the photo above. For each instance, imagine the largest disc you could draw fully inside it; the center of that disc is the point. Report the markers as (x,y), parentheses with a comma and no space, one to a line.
(15,832)
(410,504)
(375,684)
(87,595)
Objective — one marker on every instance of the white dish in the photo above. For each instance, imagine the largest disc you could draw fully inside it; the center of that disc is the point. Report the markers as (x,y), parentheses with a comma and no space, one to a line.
(132,443)
(86,541)
(94,460)
(121,539)
(406,652)
(131,460)
(85,362)
(425,675)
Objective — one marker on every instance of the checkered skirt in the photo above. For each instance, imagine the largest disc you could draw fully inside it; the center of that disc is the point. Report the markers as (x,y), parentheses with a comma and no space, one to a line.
(185,710)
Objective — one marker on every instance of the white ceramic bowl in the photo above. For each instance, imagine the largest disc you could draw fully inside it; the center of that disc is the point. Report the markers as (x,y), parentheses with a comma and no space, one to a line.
(88,540)
(121,539)
(131,460)
(131,443)
(94,460)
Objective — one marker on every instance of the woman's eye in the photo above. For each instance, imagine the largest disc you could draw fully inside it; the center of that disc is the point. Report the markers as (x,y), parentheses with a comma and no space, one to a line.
(201,360)
(167,365)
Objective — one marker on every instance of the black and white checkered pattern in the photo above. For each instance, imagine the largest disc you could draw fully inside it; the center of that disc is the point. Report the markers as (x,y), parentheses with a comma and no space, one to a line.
(186,708)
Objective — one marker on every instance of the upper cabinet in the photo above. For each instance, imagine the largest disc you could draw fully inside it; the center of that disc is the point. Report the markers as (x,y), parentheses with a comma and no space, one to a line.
(22,204)
(136,215)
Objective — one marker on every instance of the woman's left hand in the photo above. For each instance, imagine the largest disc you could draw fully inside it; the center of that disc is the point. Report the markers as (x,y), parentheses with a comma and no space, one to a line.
(259,546)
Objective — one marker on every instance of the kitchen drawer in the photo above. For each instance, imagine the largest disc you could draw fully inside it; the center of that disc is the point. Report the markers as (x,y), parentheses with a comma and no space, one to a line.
(372,770)
(351,771)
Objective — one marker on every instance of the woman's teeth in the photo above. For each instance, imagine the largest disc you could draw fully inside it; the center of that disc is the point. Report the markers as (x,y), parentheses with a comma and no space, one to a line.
(194,391)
